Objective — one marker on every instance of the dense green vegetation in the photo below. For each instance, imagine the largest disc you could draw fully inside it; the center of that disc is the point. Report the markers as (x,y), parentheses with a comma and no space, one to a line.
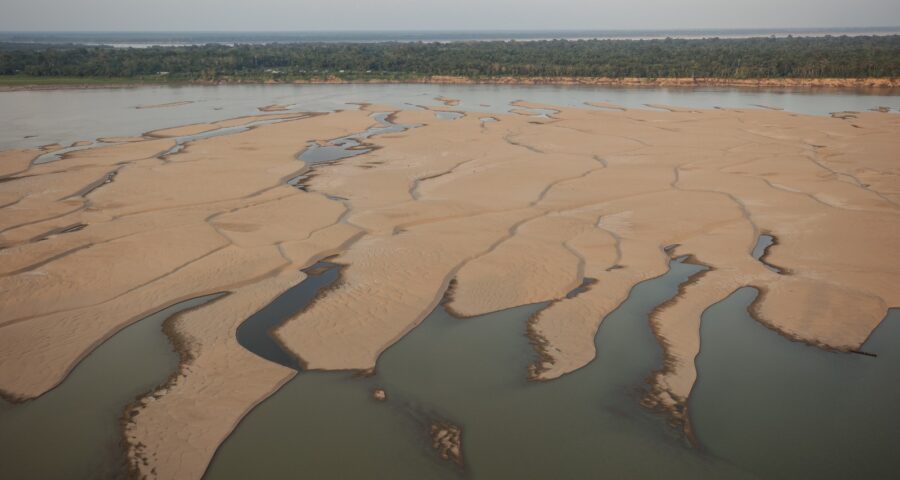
(842,57)
(21,80)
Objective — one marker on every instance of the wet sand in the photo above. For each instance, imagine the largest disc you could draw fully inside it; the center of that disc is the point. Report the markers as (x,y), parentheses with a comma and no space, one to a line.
(516,211)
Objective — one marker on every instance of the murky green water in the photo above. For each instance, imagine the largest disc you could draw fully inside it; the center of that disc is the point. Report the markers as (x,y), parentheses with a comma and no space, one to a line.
(764,407)
(788,410)
(472,372)
(72,431)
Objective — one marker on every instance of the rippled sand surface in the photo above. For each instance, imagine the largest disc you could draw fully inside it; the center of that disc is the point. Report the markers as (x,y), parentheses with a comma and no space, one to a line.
(512,212)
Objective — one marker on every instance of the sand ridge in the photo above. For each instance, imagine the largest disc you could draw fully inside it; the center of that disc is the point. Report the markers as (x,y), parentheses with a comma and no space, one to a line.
(197,128)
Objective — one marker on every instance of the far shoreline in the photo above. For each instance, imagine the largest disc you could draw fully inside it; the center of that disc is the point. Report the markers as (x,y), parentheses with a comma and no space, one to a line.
(875,84)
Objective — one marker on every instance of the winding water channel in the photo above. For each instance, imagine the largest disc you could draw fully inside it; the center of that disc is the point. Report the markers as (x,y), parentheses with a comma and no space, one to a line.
(761,249)
(73,431)
(255,334)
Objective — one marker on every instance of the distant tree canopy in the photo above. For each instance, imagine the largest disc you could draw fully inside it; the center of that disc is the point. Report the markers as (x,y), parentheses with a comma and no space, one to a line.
(806,57)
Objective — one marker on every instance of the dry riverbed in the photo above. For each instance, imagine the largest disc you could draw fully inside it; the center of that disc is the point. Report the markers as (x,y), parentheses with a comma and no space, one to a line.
(515,211)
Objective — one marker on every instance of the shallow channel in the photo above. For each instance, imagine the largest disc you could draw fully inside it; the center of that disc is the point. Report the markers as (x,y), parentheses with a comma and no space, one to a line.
(180,141)
(255,333)
(73,431)
(763,243)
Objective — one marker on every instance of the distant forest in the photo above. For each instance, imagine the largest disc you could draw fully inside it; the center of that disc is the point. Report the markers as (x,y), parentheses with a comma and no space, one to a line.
(802,57)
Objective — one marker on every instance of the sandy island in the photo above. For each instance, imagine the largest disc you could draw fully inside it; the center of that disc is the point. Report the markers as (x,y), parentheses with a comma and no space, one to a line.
(514,211)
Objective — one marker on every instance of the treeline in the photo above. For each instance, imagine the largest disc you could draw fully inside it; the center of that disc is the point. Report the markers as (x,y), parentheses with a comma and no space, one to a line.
(806,57)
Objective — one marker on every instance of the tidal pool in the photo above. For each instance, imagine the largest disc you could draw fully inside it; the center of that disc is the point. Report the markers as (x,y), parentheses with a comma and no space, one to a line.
(73,431)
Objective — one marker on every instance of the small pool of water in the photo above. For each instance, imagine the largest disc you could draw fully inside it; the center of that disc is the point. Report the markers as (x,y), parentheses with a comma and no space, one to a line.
(546,113)
(349,146)
(255,333)
(448,115)
(58,154)
(73,431)
(761,249)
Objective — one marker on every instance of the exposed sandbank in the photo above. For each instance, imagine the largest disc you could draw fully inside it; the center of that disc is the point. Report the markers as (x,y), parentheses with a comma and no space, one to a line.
(166,105)
(515,211)
(275,107)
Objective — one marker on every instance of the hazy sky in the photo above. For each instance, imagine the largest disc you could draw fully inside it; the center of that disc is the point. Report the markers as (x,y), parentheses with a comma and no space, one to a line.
(440,14)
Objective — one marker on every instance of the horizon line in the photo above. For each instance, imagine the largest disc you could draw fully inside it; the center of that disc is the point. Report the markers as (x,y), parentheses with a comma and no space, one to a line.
(479,30)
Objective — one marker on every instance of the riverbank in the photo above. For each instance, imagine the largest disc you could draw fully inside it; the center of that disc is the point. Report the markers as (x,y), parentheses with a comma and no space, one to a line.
(15,83)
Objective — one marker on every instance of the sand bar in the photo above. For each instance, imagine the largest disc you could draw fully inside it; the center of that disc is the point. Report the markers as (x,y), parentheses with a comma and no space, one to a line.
(511,212)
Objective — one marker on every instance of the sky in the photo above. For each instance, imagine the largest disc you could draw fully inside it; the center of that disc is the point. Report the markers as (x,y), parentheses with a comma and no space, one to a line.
(296,15)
